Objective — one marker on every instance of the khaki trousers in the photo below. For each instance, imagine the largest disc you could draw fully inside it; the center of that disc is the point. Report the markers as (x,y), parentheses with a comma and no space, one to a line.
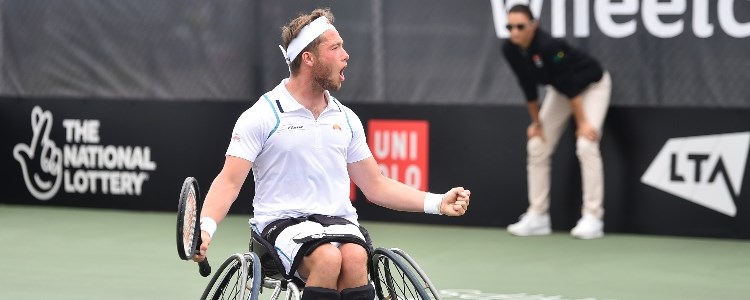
(554,115)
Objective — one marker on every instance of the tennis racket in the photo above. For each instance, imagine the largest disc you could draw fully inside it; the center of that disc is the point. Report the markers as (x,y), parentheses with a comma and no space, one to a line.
(188,225)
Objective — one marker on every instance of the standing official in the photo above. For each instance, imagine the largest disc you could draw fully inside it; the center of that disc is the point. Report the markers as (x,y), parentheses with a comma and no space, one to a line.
(576,85)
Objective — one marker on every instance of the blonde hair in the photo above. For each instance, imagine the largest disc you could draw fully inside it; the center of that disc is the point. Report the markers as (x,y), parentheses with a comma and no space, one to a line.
(292,29)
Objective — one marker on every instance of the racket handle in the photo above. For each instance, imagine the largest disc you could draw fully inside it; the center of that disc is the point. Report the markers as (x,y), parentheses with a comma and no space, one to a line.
(204,268)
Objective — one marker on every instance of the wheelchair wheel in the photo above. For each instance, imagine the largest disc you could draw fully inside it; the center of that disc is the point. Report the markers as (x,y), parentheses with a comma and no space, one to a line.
(418,271)
(394,279)
(229,281)
(254,275)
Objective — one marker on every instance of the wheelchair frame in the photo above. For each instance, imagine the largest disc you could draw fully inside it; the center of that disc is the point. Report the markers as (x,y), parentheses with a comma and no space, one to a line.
(394,274)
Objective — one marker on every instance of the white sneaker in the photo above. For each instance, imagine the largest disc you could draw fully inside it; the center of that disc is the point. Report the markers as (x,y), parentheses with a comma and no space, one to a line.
(588,227)
(531,224)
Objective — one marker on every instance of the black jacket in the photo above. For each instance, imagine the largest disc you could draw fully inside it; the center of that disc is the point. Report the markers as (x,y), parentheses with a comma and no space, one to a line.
(554,62)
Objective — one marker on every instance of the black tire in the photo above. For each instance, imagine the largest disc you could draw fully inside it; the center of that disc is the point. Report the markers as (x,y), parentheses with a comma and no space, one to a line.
(393,279)
(229,281)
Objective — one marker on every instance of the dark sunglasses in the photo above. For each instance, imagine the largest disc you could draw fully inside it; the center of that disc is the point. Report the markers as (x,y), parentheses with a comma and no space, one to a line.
(520,27)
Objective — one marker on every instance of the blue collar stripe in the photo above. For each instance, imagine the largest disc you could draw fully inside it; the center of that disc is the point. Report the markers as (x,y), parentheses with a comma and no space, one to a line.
(276,114)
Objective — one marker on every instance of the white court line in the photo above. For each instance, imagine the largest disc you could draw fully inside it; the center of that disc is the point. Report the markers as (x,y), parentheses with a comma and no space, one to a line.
(473,294)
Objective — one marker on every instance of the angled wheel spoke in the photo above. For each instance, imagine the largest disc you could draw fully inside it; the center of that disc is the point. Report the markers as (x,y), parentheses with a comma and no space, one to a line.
(229,281)
(393,279)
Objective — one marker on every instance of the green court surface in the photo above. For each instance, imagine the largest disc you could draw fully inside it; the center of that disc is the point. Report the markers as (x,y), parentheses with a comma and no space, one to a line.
(64,253)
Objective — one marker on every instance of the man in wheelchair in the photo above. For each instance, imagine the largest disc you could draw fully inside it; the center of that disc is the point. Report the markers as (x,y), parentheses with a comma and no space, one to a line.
(304,147)
(300,236)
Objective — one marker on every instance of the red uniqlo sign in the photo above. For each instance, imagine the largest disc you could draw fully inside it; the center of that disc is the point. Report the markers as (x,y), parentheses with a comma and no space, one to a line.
(401,149)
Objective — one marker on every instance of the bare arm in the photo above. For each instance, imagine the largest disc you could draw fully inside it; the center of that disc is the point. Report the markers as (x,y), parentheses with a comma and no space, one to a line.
(533,107)
(583,128)
(535,128)
(395,195)
(222,193)
(225,188)
(577,104)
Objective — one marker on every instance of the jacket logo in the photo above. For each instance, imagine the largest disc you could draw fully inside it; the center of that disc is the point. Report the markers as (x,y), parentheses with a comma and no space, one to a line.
(558,57)
(537,61)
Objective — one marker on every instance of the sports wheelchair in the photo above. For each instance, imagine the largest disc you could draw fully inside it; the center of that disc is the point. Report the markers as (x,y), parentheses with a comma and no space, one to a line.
(393,273)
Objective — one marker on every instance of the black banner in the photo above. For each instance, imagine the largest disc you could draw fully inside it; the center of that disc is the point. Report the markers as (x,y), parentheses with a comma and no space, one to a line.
(673,171)
(111,154)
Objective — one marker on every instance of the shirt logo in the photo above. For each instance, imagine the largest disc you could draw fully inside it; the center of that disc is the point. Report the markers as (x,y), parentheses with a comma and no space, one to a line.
(292,128)
(235,137)
(336,127)
(706,170)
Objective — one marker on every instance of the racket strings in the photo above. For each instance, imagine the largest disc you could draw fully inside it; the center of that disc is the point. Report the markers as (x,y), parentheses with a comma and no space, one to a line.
(190,221)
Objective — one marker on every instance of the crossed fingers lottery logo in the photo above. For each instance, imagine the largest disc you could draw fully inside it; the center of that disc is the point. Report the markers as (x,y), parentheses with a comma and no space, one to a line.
(81,165)
(41,159)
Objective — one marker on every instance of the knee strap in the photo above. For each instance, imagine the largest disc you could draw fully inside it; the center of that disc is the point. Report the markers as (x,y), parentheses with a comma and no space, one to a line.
(365,292)
(319,293)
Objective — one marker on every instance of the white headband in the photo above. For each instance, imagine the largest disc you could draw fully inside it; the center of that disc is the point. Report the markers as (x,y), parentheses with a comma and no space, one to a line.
(308,33)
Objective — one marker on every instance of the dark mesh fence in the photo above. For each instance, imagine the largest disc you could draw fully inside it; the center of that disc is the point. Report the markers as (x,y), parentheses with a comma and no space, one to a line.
(132,49)
(415,51)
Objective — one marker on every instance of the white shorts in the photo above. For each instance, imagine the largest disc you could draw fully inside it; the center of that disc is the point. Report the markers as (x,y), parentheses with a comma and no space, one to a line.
(295,241)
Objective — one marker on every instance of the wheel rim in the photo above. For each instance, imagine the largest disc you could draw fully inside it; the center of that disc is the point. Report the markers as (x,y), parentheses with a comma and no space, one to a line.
(393,281)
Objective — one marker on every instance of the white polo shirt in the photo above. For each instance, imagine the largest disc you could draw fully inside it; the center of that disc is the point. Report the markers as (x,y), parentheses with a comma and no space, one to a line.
(299,163)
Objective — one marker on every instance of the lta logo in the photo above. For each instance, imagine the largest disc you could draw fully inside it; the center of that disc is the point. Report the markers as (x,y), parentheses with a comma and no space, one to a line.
(81,165)
(707,170)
